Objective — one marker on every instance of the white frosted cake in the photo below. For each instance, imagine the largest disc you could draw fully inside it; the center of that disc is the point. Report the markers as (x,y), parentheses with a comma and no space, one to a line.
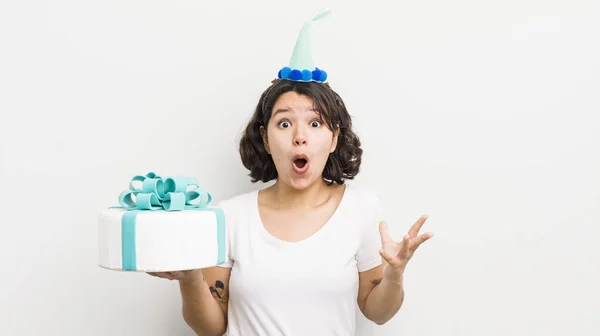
(162,224)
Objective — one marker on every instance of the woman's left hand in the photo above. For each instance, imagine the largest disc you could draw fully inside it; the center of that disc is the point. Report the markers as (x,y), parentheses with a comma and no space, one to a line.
(396,255)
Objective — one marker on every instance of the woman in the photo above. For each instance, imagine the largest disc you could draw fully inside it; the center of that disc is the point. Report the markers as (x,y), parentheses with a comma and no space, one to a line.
(309,248)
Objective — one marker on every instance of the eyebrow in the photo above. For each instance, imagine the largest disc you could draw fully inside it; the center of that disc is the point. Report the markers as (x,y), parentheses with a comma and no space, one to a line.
(288,109)
(282,110)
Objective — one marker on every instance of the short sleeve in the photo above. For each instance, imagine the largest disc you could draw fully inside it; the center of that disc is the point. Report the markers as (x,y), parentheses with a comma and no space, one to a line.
(229,220)
(370,242)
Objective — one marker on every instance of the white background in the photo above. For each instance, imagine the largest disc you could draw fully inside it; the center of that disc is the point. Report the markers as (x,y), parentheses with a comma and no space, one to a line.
(482,114)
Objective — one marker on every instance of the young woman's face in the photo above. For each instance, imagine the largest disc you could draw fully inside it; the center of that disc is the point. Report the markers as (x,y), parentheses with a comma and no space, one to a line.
(298,140)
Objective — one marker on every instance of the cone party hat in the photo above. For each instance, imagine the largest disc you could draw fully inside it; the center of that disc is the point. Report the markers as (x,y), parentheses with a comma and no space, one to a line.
(302,67)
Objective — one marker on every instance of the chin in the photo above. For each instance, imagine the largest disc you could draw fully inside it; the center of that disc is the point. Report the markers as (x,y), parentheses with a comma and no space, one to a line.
(300,185)
(301,182)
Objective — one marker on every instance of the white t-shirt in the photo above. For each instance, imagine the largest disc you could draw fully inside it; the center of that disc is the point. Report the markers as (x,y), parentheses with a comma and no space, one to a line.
(299,288)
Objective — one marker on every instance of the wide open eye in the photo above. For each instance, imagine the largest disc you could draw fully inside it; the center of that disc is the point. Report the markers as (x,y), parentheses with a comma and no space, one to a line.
(284,124)
(315,123)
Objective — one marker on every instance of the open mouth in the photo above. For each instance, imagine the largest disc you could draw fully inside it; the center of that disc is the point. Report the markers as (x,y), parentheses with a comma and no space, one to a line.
(300,163)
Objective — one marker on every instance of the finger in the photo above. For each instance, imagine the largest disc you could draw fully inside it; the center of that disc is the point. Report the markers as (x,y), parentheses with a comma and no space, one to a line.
(414,230)
(404,247)
(384,232)
(178,274)
(389,259)
(421,239)
(162,275)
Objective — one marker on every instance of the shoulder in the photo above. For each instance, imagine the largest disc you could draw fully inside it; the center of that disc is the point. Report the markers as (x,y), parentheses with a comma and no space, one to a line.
(236,210)
(362,197)
(363,206)
(239,203)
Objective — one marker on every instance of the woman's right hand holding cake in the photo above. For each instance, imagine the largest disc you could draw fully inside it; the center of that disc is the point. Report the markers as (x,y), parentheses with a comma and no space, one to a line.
(188,275)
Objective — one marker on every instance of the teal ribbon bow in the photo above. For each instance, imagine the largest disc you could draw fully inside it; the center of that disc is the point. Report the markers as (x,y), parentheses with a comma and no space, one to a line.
(164,193)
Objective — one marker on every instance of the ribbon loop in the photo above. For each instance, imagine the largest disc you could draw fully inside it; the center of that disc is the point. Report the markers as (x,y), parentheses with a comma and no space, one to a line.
(176,202)
(163,193)
(198,198)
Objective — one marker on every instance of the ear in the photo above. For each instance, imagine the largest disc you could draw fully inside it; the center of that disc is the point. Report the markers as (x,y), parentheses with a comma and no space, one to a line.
(334,141)
(263,134)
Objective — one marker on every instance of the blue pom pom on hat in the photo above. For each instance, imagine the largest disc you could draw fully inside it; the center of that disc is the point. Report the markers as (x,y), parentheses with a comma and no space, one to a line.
(302,67)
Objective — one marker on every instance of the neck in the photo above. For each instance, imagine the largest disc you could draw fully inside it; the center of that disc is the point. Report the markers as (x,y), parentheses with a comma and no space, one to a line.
(308,198)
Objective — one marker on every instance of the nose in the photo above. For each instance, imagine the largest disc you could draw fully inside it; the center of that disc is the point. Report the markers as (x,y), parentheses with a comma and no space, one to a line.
(299,138)
(300,141)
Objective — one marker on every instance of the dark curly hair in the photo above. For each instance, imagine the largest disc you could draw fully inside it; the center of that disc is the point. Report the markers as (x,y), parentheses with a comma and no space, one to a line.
(343,163)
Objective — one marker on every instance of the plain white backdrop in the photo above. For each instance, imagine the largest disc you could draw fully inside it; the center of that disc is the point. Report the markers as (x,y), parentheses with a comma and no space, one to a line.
(482,114)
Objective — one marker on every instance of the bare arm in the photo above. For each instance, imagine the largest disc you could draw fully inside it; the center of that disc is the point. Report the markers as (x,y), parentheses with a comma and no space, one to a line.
(379,299)
(203,311)
(204,295)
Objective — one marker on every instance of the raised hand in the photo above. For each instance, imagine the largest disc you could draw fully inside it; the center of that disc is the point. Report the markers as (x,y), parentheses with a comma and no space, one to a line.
(396,255)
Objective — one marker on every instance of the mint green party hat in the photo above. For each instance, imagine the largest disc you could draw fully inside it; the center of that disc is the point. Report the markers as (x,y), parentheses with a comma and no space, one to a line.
(302,67)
